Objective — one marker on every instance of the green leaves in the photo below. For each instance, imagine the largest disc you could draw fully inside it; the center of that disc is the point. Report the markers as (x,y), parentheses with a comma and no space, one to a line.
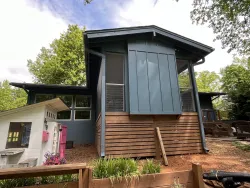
(63,62)
(11,97)
(229,19)
(208,81)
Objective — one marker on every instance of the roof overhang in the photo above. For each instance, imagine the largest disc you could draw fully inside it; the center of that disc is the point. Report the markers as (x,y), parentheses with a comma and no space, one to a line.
(55,104)
(178,41)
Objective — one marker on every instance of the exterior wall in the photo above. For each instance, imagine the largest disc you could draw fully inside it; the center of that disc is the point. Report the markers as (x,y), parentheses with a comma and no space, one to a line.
(36,116)
(133,136)
(153,82)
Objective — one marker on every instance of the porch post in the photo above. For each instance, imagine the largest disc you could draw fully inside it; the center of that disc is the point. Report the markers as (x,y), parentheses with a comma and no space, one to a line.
(103,106)
(197,104)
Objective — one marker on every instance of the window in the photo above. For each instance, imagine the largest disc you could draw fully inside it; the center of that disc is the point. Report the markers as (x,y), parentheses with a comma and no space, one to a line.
(83,101)
(18,135)
(82,115)
(67,99)
(43,97)
(64,115)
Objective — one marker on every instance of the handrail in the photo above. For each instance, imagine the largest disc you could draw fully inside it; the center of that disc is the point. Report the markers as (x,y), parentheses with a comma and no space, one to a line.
(41,171)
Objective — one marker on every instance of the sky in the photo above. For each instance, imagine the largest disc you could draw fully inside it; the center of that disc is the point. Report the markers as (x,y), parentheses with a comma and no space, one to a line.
(29,25)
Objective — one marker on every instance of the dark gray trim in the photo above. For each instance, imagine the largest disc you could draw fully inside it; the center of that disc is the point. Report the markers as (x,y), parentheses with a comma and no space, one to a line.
(91,34)
(197,105)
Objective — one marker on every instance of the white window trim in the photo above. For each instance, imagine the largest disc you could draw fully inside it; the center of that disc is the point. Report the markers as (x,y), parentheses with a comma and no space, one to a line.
(72,101)
(65,119)
(82,110)
(78,107)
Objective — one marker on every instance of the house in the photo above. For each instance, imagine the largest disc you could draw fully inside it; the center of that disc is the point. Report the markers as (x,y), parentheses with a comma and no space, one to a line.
(132,87)
(28,132)
(208,112)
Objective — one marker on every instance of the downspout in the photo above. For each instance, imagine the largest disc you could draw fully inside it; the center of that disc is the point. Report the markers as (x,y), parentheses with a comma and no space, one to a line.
(197,102)
(103,98)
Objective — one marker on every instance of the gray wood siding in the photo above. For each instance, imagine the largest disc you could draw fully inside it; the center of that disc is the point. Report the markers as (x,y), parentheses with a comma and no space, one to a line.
(153,82)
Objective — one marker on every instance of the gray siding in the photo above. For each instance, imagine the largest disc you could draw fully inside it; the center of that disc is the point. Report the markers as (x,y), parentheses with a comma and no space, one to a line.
(153,82)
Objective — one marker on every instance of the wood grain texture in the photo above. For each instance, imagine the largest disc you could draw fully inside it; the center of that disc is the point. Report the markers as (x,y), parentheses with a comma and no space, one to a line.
(134,136)
(158,132)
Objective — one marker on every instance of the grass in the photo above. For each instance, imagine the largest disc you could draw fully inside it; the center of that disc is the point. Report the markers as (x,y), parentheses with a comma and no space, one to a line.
(151,167)
(115,168)
(244,147)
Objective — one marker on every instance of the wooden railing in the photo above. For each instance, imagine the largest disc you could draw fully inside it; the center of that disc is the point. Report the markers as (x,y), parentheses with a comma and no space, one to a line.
(188,178)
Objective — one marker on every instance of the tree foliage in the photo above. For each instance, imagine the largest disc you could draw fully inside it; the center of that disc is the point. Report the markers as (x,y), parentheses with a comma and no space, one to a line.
(229,19)
(208,81)
(63,62)
(236,82)
(11,97)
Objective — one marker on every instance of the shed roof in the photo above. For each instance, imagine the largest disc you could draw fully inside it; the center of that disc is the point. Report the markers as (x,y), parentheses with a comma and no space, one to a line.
(91,35)
(56,104)
(212,94)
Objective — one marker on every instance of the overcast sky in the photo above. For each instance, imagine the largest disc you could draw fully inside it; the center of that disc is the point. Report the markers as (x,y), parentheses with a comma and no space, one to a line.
(27,25)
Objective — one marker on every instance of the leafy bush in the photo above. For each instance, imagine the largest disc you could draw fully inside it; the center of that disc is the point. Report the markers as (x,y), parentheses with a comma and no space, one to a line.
(53,159)
(21,182)
(151,167)
(115,168)
(244,147)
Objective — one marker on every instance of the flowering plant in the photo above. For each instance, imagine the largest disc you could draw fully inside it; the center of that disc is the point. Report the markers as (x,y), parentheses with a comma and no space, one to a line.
(53,159)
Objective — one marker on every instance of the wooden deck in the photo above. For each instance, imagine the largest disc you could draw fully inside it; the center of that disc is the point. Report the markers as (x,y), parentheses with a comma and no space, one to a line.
(134,136)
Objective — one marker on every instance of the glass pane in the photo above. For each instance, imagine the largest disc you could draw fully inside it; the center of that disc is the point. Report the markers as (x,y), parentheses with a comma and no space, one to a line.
(9,139)
(82,114)
(26,135)
(41,98)
(83,101)
(64,114)
(67,99)
(10,134)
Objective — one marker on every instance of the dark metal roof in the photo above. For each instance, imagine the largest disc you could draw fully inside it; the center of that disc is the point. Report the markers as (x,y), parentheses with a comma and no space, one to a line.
(32,86)
(212,93)
(93,34)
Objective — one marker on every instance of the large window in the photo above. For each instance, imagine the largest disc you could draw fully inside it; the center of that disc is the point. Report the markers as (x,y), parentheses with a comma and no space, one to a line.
(67,99)
(82,107)
(43,97)
(18,135)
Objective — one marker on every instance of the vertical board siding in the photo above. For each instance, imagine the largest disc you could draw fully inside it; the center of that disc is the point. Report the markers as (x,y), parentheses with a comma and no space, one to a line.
(133,99)
(153,78)
(142,80)
(133,136)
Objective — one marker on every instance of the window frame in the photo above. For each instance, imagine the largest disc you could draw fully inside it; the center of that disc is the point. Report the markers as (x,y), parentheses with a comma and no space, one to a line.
(43,94)
(20,135)
(78,107)
(82,110)
(71,111)
(72,99)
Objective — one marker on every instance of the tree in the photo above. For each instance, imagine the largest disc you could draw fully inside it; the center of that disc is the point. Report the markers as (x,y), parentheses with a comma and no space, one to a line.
(236,82)
(229,19)
(63,62)
(11,97)
(208,81)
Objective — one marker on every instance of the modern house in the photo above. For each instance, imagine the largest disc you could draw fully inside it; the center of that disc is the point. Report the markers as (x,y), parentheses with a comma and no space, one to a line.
(132,87)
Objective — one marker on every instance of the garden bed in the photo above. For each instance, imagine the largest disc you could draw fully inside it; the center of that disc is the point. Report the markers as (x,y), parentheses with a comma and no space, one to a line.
(58,185)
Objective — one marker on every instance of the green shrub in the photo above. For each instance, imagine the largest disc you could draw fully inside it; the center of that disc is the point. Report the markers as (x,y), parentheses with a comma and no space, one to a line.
(115,168)
(244,147)
(151,167)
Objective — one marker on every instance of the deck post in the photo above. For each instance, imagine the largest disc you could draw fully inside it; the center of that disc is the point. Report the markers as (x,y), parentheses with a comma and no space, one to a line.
(197,104)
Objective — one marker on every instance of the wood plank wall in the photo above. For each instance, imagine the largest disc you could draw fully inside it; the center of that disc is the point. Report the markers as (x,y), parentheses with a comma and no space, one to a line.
(133,136)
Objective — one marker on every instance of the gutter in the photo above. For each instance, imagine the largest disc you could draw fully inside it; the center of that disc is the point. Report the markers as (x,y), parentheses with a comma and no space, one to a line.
(197,102)
(103,99)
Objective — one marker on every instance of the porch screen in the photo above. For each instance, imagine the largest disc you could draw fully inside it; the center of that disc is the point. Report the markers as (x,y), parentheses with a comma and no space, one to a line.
(115,82)
(153,82)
